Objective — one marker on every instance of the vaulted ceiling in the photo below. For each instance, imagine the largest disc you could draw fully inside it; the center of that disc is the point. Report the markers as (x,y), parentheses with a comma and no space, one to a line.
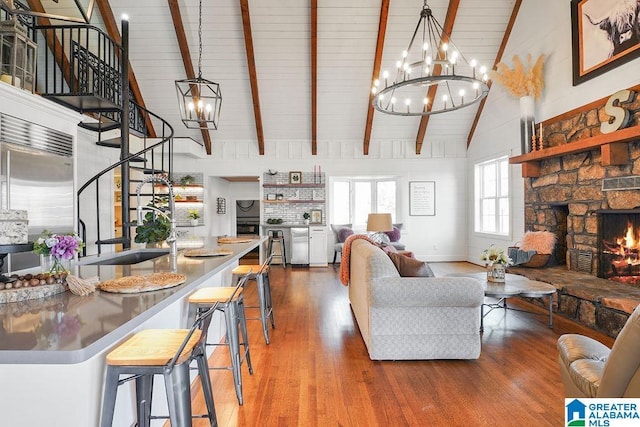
(295,70)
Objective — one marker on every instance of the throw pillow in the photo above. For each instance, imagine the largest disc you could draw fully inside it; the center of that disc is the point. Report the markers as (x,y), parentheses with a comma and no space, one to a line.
(410,267)
(343,233)
(389,249)
(540,241)
(394,235)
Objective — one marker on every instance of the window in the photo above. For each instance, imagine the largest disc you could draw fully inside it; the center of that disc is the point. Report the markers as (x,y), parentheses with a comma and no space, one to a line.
(353,199)
(492,197)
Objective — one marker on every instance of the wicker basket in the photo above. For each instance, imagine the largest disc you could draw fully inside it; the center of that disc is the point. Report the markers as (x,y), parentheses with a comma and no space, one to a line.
(536,261)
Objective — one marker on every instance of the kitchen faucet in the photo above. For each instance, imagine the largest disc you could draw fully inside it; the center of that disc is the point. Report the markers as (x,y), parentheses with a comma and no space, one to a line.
(172,239)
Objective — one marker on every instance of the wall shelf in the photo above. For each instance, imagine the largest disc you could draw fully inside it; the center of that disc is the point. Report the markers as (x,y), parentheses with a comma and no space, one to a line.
(612,146)
(294,185)
(293,201)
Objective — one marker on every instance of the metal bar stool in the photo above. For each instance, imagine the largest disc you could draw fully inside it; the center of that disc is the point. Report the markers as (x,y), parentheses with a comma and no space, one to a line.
(277,236)
(260,274)
(166,352)
(229,300)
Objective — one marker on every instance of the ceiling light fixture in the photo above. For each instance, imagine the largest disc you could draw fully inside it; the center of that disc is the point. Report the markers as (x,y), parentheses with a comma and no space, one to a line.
(199,99)
(435,62)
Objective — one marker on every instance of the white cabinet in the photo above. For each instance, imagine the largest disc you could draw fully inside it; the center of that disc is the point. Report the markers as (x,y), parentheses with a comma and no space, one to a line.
(318,246)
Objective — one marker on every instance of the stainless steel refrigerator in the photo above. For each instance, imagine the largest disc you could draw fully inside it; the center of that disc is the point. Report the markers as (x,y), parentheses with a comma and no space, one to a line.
(36,175)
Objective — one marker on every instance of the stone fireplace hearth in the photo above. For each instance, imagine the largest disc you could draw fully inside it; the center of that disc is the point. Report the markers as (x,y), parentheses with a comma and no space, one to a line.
(579,179)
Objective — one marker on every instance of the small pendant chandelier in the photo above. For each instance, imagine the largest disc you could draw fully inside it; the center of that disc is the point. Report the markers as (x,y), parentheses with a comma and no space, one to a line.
(199,99)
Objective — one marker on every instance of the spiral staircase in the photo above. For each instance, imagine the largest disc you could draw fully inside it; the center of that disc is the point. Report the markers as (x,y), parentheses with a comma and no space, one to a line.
(84,69)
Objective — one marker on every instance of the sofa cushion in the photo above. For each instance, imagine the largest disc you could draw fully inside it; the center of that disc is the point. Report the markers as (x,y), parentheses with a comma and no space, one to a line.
(343,233)
(394,235)
(410,267)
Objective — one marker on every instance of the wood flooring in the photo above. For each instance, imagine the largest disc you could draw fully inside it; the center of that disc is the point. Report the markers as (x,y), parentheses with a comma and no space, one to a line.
(316,371)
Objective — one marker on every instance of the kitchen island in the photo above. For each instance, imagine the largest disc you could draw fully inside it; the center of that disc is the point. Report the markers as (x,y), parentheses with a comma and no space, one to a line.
(52,349)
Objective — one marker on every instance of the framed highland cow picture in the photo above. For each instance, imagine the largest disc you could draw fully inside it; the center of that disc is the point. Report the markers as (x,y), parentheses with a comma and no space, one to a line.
(605,34)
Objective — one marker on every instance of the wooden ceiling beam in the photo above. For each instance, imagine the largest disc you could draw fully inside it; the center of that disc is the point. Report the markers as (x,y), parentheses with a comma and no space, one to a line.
(314,77)
(54,44)
(377,60)
(253,76)
(176,17)
(503,44)
(113,30)
(452,11)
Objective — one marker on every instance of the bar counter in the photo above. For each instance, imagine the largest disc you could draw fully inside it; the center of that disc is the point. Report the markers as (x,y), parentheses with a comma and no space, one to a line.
(52,349)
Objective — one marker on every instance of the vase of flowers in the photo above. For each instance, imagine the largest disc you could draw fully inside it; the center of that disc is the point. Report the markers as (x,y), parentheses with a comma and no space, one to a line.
(57,250)
(525,82)
(496,262)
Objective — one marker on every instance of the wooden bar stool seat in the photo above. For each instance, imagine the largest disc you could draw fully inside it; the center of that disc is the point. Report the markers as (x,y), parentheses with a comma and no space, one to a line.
(229,300)
(259,274)
(166,352)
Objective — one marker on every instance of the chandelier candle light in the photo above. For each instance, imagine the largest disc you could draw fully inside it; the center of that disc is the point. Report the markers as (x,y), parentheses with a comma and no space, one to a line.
(199,99)
(436,62)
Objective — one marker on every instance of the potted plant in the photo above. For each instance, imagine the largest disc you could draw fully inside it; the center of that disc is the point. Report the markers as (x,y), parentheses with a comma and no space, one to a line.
(306,217)
(186,180)
(153,230)
(194,214)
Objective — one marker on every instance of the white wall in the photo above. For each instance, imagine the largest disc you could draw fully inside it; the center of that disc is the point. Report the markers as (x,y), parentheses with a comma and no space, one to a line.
(435,238)
(542,27)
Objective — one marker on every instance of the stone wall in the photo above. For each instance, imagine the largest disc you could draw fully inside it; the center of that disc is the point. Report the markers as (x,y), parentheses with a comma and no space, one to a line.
(573,183)
(565,199)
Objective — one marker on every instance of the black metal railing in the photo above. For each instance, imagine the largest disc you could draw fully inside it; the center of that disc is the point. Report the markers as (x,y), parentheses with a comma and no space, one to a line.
(81,60)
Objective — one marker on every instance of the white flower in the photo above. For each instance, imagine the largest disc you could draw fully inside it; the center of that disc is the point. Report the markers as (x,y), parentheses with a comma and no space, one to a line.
(51,242)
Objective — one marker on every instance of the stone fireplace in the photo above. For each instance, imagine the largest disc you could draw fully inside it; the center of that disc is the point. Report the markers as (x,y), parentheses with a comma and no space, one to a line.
(584,186)
(570,195)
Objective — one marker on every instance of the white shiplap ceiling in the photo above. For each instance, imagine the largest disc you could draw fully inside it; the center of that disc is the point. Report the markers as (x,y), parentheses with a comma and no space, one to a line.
(281,31)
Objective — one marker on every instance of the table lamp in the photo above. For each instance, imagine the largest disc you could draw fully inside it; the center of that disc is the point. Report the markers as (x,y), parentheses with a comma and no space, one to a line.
(377,224)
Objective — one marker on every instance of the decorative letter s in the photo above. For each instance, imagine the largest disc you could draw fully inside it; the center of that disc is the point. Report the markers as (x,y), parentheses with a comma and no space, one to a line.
(619,116)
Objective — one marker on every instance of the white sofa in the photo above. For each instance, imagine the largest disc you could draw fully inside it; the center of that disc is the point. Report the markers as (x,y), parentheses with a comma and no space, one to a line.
(412,317)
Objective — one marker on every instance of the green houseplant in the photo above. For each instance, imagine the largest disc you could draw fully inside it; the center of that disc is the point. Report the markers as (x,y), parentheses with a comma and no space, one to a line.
(186,180)
(306,216)
(193,215)
(154,229)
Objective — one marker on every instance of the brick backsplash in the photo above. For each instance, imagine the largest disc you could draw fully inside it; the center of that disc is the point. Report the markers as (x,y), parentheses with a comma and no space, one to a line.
(291,213)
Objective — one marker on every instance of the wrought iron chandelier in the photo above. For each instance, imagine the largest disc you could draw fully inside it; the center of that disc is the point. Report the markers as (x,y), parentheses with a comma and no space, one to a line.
(436,62)
(199,99)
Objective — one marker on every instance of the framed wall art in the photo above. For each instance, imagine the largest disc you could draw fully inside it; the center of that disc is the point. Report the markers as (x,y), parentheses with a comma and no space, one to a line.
(605,34)
(316,216)
(422,198)
(295,177)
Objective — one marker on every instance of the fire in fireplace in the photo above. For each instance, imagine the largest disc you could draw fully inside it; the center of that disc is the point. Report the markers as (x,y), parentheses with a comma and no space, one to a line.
(619,246)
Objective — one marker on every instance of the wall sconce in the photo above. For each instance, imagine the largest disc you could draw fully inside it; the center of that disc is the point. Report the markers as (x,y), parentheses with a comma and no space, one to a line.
(221,205)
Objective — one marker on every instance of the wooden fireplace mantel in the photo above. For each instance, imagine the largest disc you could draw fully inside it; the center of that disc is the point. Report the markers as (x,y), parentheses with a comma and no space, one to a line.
(612,147)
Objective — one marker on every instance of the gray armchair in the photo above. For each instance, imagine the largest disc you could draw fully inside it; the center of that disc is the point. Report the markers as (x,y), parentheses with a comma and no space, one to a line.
(337,247)
(590,369)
